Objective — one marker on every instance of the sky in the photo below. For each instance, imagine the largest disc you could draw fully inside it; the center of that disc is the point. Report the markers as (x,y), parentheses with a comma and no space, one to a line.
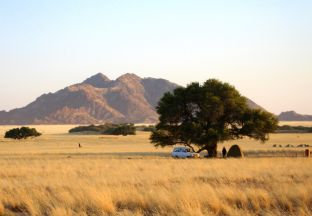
(262,47)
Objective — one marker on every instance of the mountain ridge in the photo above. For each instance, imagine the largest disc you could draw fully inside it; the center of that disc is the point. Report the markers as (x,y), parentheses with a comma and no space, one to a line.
(96,100)
(294,116)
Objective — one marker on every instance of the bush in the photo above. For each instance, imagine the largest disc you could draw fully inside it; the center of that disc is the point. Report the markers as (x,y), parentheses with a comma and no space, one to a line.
(90,128)
(108,129)
(21,133)
(293,129)
(235,151)
(149,128)
(121,129)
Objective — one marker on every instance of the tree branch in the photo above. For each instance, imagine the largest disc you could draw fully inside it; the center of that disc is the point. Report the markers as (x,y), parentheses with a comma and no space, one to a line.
(201,149)
(190,146)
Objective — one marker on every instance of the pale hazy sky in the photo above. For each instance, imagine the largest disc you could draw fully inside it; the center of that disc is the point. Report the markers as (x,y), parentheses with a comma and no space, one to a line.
(262,47)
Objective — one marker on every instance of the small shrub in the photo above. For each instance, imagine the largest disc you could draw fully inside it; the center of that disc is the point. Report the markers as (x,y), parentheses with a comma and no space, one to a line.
(235,151)
(21,133)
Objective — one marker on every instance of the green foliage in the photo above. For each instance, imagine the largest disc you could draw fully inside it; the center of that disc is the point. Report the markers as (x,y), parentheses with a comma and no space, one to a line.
(235,151)
(90,128)
(149,128)
(200,116)
(293,129)
(21,133)
(108,129)
(121,129)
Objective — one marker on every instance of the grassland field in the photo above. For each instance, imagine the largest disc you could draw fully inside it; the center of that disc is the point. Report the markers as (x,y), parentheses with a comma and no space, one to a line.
(126,175)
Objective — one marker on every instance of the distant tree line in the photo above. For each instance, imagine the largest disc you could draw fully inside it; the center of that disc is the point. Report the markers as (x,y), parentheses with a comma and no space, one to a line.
(146,128)
(293,129)
(108,129)
(21,133)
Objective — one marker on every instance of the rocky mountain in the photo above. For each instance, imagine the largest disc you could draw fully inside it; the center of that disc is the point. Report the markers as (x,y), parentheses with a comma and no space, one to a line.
(293,116)
(97,100)
(253,105)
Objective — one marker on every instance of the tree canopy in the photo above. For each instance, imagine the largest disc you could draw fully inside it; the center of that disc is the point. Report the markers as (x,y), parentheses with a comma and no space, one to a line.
(200,116)
(21,133)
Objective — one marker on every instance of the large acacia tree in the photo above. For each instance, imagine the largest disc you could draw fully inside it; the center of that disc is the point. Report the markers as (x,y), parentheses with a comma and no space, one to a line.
(201,116)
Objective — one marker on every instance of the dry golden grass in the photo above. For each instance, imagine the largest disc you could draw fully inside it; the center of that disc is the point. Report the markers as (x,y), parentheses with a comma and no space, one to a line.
(296,123)
(112,175)
(83,185)
(56,140)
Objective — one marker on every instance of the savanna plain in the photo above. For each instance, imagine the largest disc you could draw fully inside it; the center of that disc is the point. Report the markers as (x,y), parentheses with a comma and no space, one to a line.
(126,175)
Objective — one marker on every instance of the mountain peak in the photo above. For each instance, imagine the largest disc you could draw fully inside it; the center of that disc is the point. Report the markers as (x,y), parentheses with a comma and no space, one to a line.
(129,77)
(98,80)
(293,116)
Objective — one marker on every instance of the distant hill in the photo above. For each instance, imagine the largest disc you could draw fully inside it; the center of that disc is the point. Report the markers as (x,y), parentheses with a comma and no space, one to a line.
(293,116)
(253,105)
(97,100)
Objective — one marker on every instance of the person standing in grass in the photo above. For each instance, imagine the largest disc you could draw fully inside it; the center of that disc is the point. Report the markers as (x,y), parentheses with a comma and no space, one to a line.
(224,152)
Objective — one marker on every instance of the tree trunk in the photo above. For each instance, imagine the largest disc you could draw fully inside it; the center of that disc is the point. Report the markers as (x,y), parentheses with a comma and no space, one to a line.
(212,150)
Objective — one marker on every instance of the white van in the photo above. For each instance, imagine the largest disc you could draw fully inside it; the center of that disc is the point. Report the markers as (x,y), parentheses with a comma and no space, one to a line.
(184,152)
